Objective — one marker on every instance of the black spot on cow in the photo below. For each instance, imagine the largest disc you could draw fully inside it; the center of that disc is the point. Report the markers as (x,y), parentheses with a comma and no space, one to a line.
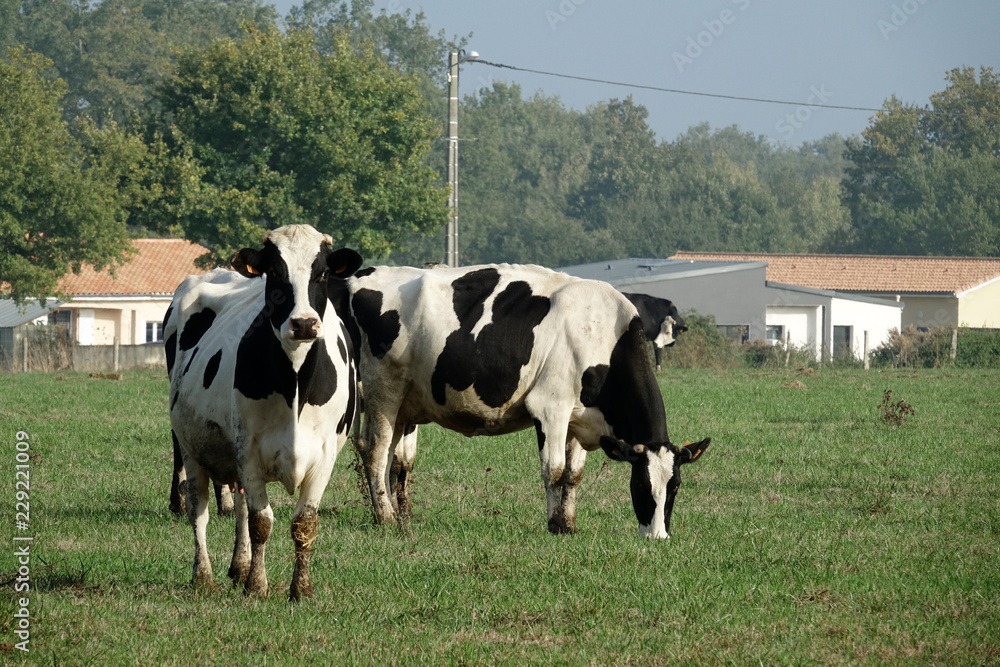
(347,419)
(382,329)
(626,392)
(342,348)
(170,349)
(195,327)
(365,272)
(211,369)
(593,382)
(173,401)
(187,366)
(540,433)
(262,367)
(409,428)
(491,362)
(317,378)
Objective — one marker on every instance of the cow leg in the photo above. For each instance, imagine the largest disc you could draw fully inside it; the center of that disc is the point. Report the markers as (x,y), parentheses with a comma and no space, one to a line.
(305,522)
(576,457)
(551,430)
(223,500)
(260,520)
(239,567)
(178,481)
(377,447)
(657,354)
(399,472)
(197,511)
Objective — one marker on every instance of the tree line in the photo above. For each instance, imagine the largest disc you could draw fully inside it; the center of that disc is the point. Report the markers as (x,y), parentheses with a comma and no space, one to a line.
(216,119)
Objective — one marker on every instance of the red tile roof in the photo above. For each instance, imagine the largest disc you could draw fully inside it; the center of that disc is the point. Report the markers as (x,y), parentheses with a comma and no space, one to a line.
(158,267)
(867,273)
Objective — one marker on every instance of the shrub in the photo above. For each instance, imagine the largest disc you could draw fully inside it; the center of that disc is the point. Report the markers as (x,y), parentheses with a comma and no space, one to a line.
(931,348)
(702,346)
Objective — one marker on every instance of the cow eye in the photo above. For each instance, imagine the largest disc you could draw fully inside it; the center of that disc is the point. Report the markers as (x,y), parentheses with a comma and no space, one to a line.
(324,275)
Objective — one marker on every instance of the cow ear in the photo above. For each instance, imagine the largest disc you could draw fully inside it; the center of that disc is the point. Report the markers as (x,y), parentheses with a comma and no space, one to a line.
(247,262)
(690,452)
(621,451)
(343,262)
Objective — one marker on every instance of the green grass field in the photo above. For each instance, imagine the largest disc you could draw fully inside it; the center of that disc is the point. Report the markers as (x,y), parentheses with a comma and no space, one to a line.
(811,531)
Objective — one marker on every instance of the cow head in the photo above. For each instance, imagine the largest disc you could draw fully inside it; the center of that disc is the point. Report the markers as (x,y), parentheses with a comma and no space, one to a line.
(296,262)
(671,327)
(656,477)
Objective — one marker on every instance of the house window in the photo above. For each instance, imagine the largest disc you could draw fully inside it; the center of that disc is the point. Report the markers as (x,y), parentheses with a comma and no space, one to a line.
(775,334)
(842,348)
(154,332)
(61,318)
(735,332)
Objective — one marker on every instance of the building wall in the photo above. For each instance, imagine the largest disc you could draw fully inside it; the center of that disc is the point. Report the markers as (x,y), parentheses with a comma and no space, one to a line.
(980,307)
(99,322)
(801,325)
(732,297)
(930,311)
(877,320)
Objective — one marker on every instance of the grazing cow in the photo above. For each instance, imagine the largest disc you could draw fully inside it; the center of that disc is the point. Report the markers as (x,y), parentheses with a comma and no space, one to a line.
(262,389)
(660,321)
(495,349)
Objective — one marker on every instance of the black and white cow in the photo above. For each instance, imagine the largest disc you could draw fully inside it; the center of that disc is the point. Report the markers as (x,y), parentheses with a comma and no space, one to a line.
(262,389)
(661,323)
(495,349)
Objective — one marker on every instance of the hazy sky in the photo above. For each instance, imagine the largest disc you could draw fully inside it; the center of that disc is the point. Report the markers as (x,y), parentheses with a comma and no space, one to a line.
(841,52)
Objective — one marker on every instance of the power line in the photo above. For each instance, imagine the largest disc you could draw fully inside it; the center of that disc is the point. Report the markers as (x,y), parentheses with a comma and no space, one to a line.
(675,90)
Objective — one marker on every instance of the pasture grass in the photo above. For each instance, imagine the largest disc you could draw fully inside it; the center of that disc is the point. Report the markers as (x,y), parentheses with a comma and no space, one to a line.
(812,531)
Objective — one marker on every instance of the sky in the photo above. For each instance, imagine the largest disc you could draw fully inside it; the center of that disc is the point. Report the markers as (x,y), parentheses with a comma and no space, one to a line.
(838,52)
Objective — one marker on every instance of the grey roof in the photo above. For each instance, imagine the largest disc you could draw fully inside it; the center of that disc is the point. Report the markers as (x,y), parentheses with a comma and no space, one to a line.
(623,272)
(12,315)
(845,296)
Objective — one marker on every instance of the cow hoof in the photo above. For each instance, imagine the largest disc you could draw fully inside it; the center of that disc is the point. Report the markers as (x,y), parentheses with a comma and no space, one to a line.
(297,592)
(238,574)
(205,584)
(559,527)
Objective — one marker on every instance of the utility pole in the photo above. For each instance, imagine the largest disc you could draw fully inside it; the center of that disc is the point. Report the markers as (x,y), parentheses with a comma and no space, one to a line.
(455,58)
(451,253)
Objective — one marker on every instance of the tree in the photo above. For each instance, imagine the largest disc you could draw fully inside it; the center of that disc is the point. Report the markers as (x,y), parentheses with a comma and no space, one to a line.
(113,53)
(60,205)
(925,181)
(265,131)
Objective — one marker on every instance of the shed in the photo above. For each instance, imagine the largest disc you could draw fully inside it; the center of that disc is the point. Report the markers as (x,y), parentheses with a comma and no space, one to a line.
(747,306)
(937,291)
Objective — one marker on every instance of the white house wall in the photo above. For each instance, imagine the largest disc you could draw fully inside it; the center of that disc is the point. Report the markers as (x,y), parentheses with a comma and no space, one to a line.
(876,319)
(801,323)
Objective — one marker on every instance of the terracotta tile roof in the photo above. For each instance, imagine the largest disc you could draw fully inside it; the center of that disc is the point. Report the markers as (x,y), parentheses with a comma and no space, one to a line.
(158,267)
(867,273)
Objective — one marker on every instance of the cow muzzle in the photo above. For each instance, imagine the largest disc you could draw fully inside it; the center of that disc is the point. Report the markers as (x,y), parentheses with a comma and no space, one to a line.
(304,328)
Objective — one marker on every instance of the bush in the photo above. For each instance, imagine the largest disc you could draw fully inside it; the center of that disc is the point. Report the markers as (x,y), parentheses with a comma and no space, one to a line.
(701,346)
(931,348)
(978,348)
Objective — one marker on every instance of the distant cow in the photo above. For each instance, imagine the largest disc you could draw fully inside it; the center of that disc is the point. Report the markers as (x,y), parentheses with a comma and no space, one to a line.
(660,321)
(495,349)
(262,389)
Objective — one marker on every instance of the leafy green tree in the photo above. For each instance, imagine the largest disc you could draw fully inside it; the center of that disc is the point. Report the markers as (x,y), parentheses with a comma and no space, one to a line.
(112,54)
(265,131)
(925,181)
(60,203)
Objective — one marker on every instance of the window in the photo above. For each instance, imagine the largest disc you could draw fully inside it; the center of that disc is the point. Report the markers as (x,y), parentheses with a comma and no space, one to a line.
(154,332)
(842,348)
(775,334)
(739,333)
(61,318)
